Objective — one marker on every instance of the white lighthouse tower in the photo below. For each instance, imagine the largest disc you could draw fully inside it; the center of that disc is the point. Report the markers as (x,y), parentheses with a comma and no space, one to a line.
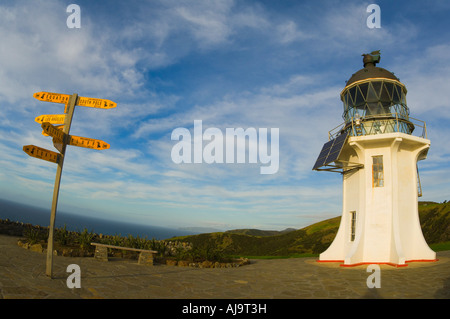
(376,152)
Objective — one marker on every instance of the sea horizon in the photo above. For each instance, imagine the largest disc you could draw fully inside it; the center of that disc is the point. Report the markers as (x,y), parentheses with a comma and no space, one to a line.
(28,214)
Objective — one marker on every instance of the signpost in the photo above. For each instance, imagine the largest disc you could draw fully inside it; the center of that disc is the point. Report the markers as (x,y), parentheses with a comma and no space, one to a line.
(58,144)
(88,143)
(52,97)
(51,118)
(50,130)
(41,153)
(59,127)
(82,101)
(67,123)
(61,139)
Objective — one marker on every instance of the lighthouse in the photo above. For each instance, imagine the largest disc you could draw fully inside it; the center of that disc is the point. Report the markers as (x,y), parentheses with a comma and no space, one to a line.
(376,150)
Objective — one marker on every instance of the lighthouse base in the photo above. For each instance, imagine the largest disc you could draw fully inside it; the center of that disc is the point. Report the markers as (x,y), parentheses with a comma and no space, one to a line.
(380,220)
(342,264)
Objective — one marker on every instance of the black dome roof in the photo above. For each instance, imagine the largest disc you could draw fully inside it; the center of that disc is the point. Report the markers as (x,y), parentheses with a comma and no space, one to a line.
(371,71)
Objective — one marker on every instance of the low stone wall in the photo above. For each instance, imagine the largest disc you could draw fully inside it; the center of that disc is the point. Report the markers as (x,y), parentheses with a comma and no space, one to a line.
(11,228)
(33,247)
(66,252)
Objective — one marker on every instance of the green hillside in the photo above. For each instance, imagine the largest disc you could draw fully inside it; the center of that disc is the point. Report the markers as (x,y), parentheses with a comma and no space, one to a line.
(314,239)
(258,232)
(435,221)
(311,239)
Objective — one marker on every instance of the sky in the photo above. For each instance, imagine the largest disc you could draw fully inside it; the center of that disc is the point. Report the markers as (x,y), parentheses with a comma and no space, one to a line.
(229,64)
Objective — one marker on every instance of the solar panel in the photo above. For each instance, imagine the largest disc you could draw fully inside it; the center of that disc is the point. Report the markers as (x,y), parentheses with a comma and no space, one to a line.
(336,148)
(323,154)
(330,151)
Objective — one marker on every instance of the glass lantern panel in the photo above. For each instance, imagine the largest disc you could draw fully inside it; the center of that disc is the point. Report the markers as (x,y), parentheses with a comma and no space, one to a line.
(377,87)
(389,86)
(396,98)
(363,87)
(385,97)
(347,100)
(385,107)
(352,95)
(372,96)
(403,98)
(359,100)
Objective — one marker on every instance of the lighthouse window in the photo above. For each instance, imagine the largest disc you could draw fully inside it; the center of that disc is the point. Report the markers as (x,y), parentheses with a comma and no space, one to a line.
(363,87)
(385,97)
(353,226)
(377,87)
(390,88)
(359,99)
(377,171)
(397,96)
(372,96)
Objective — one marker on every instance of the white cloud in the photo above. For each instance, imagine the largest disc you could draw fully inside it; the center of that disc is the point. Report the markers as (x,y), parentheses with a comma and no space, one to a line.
(207,21)
(289,32)
(426,79)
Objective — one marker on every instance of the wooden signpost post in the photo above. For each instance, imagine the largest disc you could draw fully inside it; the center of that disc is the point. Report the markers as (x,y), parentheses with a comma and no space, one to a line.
(61,139)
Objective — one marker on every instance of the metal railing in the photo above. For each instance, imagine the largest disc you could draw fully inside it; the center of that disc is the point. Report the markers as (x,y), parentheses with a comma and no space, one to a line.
(392,120)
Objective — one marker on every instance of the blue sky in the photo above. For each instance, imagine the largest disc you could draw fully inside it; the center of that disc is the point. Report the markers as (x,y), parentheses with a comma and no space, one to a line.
(260,64)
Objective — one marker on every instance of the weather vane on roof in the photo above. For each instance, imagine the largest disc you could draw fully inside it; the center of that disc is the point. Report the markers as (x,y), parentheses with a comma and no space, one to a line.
(373,57)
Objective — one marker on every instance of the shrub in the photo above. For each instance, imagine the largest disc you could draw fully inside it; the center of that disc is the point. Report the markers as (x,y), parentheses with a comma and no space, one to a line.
(85,238)
(62,236)
(34,235)
(159,246)
(208,252)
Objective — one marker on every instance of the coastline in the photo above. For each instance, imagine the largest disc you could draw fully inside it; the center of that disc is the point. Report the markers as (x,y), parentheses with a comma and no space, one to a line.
(28,214)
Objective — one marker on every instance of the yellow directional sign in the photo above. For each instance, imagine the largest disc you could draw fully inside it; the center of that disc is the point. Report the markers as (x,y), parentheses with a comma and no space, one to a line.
(88,143)
(59,138)
(98,103)
(52,97)
(50,130)
(82,101)
(41,153)
(59,127)
(51,118)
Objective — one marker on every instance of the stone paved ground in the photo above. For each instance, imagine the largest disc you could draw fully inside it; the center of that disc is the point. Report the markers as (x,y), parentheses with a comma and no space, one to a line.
(22,276)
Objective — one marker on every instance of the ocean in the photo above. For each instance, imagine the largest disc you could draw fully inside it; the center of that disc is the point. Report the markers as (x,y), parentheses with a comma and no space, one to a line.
(39,216)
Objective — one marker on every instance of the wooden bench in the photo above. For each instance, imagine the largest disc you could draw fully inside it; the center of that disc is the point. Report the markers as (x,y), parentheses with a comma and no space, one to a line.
(145,256)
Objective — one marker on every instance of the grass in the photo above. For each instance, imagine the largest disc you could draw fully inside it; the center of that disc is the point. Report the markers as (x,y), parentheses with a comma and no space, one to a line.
(441,246)
(323,225)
